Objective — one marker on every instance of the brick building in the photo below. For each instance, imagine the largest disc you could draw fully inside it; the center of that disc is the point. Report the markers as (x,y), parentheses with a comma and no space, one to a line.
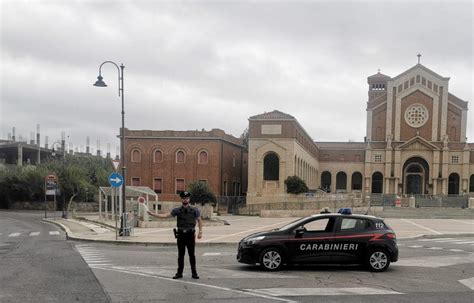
(415,144)
(167,161)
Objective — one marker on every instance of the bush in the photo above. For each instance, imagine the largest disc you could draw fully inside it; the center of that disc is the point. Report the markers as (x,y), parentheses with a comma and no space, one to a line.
(201,193)
(295,185)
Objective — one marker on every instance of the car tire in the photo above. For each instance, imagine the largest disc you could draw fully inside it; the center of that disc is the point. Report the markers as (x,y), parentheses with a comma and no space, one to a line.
(377,260)
(271,259)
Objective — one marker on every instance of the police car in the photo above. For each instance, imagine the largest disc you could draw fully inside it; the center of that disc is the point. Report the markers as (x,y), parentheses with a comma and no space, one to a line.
(341,238)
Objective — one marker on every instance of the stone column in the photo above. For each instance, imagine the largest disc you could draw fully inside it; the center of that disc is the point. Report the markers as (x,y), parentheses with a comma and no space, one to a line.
(20,156)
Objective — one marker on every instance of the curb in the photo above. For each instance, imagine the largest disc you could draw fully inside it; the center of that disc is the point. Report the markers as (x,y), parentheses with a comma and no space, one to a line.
(71,236)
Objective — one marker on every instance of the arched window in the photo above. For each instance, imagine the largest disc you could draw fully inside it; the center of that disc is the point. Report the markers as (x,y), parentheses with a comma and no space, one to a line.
(326,181)
(471,184)
(356,181)
(271,167)
(158,156)
(377,183)
(202,159)
(341,181)
(180,156)
(136,156)
(453,184)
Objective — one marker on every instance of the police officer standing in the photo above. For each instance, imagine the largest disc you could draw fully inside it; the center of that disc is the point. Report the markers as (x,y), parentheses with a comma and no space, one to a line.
(186,217)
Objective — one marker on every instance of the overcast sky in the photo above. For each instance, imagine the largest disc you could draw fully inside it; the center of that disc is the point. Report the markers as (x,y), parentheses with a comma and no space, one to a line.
(193,65)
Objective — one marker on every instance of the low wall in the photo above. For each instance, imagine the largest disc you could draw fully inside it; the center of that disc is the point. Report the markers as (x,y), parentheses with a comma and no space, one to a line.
(32,205)
(40,205)
(299,205)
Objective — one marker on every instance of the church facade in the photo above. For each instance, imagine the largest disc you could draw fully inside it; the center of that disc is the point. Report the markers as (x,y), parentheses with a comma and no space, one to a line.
(415,144)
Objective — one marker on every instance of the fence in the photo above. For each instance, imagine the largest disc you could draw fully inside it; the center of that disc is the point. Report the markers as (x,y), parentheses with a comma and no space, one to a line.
(388,200)
(230,204)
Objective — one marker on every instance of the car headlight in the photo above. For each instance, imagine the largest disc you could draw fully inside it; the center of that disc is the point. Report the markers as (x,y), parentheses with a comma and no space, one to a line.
(254,240)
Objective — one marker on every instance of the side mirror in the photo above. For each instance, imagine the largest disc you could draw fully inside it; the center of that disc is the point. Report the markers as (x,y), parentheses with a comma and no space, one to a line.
(299,232)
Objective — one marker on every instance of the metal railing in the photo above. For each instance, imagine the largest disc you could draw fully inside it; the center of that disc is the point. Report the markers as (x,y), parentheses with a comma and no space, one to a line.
(389,200)
(230,204)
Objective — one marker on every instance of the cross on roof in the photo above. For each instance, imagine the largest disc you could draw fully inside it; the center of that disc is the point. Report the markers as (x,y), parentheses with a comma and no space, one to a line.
(419,56)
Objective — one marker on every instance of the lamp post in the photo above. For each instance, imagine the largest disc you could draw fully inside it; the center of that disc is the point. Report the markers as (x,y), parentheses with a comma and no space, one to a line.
(101,83)
(53,153)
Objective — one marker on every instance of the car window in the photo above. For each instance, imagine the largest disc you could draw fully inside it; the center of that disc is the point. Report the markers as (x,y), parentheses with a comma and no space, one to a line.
(354,224)
(320,225)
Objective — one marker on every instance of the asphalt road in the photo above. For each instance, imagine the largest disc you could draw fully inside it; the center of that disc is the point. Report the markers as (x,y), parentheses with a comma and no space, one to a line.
(429,270)
(38,264)
(46,267)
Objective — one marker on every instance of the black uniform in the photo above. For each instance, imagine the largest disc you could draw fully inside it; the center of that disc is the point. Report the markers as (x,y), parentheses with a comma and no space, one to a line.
(186,222)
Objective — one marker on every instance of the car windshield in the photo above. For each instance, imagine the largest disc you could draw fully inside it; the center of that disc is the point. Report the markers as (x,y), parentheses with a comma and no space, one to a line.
(292,224)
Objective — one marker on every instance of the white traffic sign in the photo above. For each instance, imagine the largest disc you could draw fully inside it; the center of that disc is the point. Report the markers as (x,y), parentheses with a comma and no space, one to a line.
(116,163)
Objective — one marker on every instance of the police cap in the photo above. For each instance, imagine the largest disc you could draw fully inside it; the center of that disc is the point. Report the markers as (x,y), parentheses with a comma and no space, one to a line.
(185,194)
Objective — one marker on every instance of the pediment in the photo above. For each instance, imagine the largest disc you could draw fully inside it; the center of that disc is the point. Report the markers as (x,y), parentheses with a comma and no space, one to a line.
(271,145)
(417,143)
(417,69)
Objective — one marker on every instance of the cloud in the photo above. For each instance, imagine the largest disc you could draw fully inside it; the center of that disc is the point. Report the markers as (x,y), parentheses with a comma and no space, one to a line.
(193,65)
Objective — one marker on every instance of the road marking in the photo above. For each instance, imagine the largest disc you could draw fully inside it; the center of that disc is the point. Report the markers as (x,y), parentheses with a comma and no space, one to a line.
(464,222)
(437,239)
(211,254)
(455,250)
(468,282)
(434,248)
(466,242)
(452,240)
(299,292)
(242,292)
(421,226)
(435,261)
(415,246)
(33,234)
(250,230)
(14,235)
(53,233)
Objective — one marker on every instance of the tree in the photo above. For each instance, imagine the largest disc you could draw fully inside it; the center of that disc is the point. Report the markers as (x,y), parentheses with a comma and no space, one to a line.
(295,185)
(245,138)
(201,193)
(75,175)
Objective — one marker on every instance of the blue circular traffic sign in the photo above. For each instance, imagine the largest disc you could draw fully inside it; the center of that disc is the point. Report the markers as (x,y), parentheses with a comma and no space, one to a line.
(115,179)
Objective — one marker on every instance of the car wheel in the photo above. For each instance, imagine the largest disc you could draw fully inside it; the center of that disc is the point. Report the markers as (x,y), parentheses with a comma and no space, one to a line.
(271,259)
(377,260)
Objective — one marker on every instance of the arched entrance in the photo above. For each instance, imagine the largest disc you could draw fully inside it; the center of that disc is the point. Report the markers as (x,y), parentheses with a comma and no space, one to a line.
(341,181)
(377,183)
(326,181)
(453,184)
(271,167)
(416,176)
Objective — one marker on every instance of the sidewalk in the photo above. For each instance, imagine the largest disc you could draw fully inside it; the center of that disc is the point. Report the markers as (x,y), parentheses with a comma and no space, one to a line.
(240,226)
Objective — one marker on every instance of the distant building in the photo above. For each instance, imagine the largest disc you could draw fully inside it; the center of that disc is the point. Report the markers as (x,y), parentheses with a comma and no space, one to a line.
(415,144)
(167,161)
(21,153)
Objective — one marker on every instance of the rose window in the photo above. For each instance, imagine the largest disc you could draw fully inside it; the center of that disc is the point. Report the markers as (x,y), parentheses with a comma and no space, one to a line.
(416,115)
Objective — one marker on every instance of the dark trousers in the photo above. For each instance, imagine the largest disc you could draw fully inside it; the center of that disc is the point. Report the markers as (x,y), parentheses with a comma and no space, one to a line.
(186,240)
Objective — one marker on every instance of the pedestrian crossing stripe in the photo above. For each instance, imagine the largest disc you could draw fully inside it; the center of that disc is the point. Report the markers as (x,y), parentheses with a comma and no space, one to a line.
(300,292)
(32,234)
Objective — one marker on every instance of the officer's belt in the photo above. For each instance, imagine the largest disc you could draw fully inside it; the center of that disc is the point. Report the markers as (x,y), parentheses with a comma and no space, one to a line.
(184,231)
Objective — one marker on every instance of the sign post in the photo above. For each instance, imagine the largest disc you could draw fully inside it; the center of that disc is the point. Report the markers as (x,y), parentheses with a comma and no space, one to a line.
(116,180)
(50,189)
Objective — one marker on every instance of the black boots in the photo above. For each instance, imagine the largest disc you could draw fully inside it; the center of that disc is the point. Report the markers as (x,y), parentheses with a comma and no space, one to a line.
(178,276)
(195,276)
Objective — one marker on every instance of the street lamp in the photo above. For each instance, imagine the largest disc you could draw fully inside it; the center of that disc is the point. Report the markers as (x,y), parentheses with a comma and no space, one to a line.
(101,83)
(54,153)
